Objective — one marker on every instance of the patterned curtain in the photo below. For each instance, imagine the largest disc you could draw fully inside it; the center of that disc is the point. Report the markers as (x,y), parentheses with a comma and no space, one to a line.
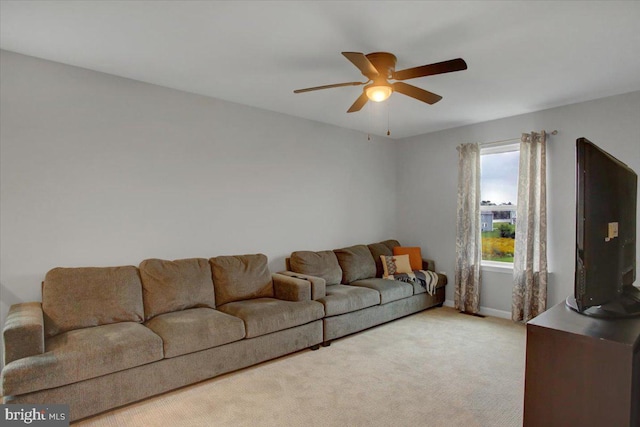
(468,240)
(530,258)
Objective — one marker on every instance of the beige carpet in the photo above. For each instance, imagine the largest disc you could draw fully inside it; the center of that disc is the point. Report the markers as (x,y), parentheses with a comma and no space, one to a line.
(434,368)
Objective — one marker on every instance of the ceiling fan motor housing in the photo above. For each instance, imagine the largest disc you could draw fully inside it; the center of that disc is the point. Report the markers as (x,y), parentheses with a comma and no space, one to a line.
(384,62)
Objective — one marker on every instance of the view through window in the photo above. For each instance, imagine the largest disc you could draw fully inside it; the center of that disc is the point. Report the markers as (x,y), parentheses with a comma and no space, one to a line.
(499,190)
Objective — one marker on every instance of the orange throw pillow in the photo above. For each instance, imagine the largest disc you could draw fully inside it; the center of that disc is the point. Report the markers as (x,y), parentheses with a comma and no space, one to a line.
(415,257)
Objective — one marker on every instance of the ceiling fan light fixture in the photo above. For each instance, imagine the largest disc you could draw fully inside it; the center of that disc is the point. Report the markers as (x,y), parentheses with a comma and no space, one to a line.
(379,93)
(379,67)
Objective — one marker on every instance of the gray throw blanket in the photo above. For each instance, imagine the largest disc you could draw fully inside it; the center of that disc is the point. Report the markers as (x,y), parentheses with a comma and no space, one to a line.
(428,279)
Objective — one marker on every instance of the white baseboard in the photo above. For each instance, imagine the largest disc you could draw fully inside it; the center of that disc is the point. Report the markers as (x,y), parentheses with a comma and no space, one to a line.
(486,311)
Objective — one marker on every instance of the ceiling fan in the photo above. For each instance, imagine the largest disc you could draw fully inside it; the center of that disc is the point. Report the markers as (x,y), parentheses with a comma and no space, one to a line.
(379,67)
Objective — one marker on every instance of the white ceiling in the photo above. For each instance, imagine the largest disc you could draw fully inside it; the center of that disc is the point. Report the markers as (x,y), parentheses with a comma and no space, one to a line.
(523,56)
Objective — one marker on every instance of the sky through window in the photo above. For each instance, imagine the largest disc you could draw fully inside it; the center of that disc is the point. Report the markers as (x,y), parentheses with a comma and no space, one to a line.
(499,177)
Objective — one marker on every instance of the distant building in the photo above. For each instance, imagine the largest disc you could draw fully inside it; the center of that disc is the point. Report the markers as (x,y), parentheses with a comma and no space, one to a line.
(486,219)
(491,215)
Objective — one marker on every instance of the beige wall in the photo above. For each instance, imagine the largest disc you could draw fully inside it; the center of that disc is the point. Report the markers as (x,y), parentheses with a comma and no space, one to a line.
(101,170)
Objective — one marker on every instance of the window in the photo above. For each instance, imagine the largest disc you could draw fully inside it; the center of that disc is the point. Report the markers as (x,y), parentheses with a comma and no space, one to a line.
(499,191)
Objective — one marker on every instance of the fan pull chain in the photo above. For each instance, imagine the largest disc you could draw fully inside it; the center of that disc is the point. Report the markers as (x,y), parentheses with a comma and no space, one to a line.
(370,112)
(388,131)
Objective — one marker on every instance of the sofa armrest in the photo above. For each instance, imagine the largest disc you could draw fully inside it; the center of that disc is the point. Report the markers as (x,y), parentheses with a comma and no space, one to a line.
(428,264)
(318,284)
(291,288)
(442,280)
(23,331)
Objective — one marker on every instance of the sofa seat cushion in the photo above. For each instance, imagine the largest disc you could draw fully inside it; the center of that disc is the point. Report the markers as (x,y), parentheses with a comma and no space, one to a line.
(419,289)
(390,290)
(82,354)
(346,298)
(265,315)
(195,329)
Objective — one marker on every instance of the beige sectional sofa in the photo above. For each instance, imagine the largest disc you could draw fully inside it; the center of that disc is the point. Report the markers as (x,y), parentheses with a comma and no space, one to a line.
(103,337)
(356,295)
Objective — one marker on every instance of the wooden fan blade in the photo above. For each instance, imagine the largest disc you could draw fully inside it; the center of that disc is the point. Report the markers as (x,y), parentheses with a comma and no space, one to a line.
(357,106)
(416,92)
(309,89)
(362,62)
(431,69)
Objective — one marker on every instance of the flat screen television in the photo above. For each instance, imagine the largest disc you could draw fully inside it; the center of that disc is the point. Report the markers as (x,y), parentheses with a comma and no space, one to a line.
(605,259)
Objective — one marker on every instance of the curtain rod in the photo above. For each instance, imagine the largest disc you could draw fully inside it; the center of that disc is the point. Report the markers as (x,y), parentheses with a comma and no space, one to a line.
(553,132)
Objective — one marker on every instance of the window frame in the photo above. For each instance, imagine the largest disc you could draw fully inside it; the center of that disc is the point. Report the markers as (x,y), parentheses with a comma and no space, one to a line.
(497,148)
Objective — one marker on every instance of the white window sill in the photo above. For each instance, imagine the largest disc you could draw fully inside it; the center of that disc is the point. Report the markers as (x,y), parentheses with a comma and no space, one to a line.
(497,267)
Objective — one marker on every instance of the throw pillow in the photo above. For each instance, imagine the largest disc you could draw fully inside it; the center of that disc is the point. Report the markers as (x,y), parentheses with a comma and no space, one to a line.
(376,250)
(415,257)
(395,264)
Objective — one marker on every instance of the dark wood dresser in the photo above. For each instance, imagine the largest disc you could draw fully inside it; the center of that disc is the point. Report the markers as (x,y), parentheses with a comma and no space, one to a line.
(582,371)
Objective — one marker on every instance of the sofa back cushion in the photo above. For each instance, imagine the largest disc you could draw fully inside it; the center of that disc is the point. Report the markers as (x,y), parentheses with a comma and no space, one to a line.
(75,298)
(378,249)
(390,244)
(356,263)
(322,264)
(176,285)
(241,277)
